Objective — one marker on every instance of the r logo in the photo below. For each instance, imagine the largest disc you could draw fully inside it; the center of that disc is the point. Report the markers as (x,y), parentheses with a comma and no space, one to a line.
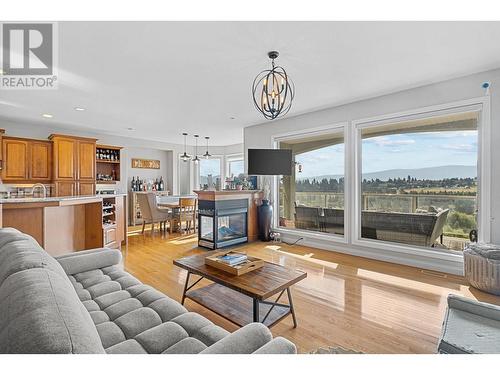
(27,49)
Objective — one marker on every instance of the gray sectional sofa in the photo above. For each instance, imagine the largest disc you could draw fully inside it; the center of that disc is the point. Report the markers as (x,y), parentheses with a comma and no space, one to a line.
(85,303)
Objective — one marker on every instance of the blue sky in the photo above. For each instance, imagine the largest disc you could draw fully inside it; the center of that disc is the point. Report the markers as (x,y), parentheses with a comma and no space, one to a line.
(408,151)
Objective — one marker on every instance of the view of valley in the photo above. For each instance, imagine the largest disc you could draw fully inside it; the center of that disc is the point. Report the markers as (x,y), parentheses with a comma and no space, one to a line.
(404,194)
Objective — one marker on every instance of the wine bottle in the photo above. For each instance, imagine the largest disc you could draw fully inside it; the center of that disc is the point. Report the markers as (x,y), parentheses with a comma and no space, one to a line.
(133,183)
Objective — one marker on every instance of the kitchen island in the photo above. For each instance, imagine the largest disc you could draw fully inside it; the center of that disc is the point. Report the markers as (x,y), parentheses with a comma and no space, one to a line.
(63,225)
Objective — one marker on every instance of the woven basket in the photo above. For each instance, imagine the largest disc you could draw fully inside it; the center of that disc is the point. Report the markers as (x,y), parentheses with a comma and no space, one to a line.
(481,271)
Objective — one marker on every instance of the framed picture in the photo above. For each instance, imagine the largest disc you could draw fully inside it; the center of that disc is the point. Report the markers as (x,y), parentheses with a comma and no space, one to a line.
(145,163)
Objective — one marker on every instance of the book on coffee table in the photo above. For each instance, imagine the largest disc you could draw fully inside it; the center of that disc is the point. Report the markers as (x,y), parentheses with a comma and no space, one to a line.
(233,263)
(232,259)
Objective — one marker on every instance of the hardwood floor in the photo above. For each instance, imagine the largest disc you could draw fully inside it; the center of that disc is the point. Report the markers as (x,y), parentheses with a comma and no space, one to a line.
(357,303)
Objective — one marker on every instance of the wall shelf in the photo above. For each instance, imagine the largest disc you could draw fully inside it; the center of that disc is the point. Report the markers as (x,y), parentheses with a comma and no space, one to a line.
(107,161)
(108,169)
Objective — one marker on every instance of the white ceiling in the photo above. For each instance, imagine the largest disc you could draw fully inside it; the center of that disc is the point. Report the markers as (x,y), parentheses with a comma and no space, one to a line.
(163,78)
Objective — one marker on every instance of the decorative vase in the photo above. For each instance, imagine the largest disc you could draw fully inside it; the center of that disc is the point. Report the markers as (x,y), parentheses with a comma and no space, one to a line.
(265,216)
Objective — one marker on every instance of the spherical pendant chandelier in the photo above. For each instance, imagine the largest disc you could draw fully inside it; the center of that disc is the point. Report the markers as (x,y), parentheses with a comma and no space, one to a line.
(273,90)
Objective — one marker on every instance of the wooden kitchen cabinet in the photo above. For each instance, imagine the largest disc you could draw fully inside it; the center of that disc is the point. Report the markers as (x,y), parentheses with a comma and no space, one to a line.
(120,215)
(86,188)
(26,160)
(110,239)
(15,159)
(2,132)
(40,161)
(65,188)
(64,150)
(86,160)
(74,162)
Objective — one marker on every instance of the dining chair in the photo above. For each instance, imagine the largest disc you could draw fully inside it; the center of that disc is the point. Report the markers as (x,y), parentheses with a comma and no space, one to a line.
(186,212)
(151,213)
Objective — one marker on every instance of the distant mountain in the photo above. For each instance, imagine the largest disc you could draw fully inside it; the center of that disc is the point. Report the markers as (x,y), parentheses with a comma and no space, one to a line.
(430,173)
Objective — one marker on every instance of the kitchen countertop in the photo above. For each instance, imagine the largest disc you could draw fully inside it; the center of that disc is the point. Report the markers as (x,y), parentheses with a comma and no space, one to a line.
(58,199)
(221,192)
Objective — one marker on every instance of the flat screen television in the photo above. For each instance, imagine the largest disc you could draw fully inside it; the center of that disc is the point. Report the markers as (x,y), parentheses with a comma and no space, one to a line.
(269,162)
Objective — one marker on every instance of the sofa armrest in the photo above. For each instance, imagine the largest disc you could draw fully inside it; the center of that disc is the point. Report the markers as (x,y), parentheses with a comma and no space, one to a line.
(279,345)
(246,340)
(474,307)
(88,260)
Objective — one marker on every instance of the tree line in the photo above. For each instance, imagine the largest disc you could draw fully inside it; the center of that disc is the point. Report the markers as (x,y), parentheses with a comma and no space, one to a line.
(392,185)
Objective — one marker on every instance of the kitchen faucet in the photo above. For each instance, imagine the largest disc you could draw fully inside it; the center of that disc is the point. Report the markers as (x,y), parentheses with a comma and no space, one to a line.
(39,185)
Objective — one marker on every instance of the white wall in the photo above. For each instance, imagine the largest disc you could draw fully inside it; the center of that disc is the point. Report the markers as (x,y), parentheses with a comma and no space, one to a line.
(259,136)
(147,174)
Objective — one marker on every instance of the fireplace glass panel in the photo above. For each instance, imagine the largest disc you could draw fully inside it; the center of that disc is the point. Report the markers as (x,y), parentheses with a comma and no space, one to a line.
(206,228)
(231,226)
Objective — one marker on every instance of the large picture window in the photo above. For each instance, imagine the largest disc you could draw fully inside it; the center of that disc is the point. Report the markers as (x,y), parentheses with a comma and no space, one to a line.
(312,198)
(419,181)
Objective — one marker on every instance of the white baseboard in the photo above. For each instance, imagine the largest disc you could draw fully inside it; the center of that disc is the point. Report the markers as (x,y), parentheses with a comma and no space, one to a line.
(448,264)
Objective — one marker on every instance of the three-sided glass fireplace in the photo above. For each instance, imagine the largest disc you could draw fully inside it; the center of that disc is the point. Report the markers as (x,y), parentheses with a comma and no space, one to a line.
(222,222)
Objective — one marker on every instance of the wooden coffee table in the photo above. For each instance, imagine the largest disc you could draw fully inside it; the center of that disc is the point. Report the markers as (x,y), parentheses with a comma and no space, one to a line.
(242,299)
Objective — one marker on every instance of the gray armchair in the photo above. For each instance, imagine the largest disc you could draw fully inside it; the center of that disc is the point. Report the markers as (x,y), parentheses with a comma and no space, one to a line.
(151,213)
(470,327)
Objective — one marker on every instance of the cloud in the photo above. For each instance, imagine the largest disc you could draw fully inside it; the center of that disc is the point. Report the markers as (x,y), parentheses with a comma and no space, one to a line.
(388,142)
(464,147)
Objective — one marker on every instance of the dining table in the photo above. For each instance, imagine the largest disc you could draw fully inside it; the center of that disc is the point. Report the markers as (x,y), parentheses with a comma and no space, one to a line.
(173,203)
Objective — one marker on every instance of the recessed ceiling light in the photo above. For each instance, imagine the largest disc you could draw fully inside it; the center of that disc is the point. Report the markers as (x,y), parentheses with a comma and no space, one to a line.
(47,115)
(79,109)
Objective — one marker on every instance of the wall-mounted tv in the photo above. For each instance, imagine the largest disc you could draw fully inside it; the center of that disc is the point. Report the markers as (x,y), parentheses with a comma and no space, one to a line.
(269,162)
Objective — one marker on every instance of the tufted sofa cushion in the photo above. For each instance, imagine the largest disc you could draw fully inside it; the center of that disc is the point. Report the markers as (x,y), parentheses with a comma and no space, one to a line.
(131,317)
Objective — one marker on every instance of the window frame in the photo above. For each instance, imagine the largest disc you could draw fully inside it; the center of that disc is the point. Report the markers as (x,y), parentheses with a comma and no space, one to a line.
(340,127)
(480,105)
(232,158)
(198,171)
